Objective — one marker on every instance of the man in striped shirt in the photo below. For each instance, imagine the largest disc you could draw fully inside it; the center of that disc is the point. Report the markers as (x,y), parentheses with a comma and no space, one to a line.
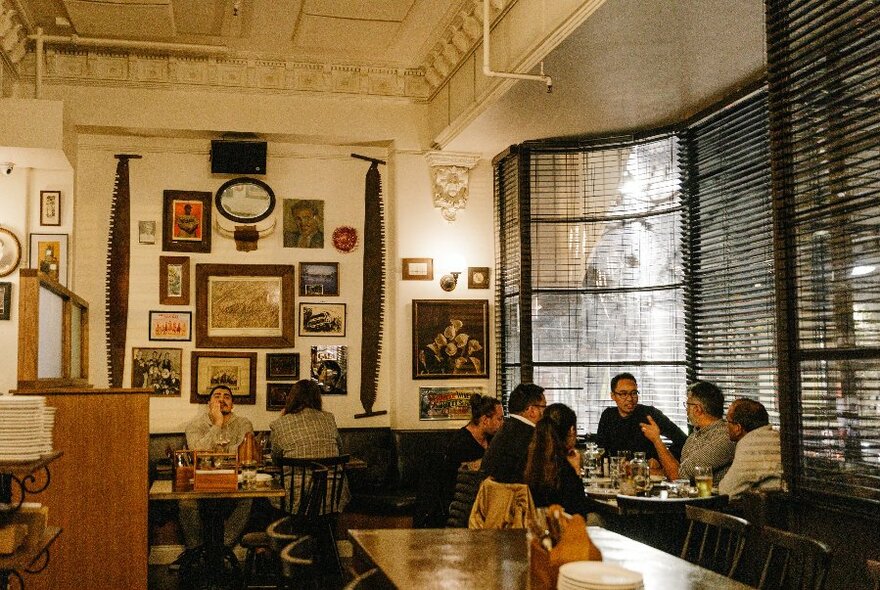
(757,464)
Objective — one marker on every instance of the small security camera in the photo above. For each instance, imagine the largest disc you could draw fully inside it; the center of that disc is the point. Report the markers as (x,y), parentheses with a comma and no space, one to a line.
(7,167)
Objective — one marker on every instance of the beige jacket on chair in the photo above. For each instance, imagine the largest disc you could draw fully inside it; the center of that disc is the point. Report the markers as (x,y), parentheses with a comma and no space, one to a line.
(501,506)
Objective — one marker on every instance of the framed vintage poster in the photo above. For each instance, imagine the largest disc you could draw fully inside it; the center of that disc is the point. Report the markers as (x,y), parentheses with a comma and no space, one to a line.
(244,305)
(478,277)
(10,252)
(50,207)
(276,395)
(159,368)
(171,325)
(186,221)
(174,280)
(329,367)
(146,232)
(446,403)
(49,255)
(282,365)
(318,278)
(322,319)
(450,338)
(5,300)
(236,370)
(418,269)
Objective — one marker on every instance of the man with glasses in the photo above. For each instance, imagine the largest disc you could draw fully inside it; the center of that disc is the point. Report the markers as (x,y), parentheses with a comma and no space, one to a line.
(505,459)
(620,427)
(757,464)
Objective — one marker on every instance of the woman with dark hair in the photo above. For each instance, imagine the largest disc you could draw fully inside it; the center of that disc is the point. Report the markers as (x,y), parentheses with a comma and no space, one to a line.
(553,464)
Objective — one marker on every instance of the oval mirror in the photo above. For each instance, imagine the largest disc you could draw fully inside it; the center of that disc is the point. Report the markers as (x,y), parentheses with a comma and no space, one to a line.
(245,200)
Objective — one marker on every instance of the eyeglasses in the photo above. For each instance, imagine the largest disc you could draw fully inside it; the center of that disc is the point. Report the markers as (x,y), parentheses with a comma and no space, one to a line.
(630,394)
(542,406)
(686,404)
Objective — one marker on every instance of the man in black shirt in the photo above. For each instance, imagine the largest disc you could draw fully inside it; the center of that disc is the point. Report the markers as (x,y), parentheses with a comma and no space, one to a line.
(620,426)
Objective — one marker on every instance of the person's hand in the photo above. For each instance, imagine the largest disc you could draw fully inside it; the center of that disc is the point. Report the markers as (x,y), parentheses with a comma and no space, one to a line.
(654,465)
(214,412)
(574,459)
(651,430)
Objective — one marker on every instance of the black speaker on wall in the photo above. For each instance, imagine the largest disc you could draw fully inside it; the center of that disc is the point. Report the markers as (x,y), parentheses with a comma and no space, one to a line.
(238,157)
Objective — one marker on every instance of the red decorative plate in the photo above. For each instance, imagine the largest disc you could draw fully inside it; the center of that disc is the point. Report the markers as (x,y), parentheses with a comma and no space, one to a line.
(345,238)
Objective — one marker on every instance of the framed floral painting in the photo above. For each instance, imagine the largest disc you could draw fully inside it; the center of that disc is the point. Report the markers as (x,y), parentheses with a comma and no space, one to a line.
(450,338)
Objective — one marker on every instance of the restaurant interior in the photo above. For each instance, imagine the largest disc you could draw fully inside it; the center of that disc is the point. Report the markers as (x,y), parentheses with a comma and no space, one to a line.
(681,190)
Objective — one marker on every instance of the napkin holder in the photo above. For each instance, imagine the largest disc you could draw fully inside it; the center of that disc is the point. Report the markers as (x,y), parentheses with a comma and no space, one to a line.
(215,472)
(183,463)
(574,545)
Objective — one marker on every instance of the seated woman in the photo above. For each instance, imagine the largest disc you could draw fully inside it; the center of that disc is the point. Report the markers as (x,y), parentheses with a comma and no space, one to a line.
(553,463)
(304,430)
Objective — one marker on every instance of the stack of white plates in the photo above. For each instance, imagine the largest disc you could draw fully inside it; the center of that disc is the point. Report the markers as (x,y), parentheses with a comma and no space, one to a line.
(22,425)
(48,428)
(595,575)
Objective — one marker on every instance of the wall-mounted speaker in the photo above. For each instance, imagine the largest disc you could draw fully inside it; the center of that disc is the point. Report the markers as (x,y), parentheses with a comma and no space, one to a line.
(238,157)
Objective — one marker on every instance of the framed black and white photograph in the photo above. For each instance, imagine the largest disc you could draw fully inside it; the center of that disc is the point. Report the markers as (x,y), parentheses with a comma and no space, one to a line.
(157,368)
(235,370)
(282,366)
(322,319)
(450,338)
(146,232)
(50,207)
(318,279)
(329,368)
(5,300)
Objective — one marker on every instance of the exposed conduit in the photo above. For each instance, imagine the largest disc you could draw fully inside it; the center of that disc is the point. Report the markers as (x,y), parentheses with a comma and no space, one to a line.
(487,68)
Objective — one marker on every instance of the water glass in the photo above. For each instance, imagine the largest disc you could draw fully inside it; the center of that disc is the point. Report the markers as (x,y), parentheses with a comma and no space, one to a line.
(703,480)
(248,474)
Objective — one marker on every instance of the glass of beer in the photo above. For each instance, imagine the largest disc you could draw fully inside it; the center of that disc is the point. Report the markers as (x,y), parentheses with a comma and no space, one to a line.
(703,480)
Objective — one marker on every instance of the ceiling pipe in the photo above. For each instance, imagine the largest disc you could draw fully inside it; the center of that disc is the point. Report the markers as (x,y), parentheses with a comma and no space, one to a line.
(487,68)
(78,41)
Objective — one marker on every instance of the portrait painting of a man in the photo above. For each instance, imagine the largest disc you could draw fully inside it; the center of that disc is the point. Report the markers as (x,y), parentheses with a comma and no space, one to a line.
(303,223)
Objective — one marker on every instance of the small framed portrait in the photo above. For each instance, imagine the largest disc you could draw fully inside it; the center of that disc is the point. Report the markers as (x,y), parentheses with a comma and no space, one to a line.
(50,207)
(322,319)
(157,368)
(318,278)
(186,221)
(171,325)
(146,232)
(276,396)
(235,370)
(282,365)
(478,277)
(303,223)
(49,255)
(10,252)
(5,300)
(174,280)
(418,269)
(329,368)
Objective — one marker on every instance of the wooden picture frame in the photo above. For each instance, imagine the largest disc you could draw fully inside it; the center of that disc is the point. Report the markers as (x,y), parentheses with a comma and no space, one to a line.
(318,279)
(244,305)
(171,325)
(186,221)
(5,301)
(236,370)
(418,269)
(174,280)
(282,366)
(461,323)
(276,396)
(53,265)
(321,319)
(50,207)
(329,367)
(159,369)
(146,232)
(478,277)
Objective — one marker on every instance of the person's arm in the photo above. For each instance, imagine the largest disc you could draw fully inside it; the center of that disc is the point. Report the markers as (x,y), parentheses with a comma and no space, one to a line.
(668,462)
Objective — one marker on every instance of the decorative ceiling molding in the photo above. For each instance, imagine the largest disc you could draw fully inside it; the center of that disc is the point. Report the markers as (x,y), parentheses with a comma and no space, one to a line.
(13,38)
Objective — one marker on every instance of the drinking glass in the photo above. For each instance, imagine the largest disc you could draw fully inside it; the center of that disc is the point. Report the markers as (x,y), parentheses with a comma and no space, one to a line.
(614,464)
(248,474)
(703,480)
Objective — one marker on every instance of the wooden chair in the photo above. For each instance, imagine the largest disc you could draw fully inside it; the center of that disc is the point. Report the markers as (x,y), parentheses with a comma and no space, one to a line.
(714,540)
(793,561)
(874,572)
(466,486)
(298,564)
(660,523)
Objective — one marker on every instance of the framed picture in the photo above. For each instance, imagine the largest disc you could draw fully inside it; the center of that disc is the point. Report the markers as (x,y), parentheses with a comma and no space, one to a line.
(303,223)
(329,368)
(186,221)
(446,403)
(174,280)
(50,207)
(478,277)
(450,338)
(418,269)
(322,319)
(146,232)
(159,368)
(244,305)
(318,278)
(276,395)
(49,255)
(282,365)
(236,370)
(171,325)
(10,252)
(5,300)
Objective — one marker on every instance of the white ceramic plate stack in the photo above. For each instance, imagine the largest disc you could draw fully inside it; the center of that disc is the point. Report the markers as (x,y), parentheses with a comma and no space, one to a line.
(596,575)
(48,428)
(21,427)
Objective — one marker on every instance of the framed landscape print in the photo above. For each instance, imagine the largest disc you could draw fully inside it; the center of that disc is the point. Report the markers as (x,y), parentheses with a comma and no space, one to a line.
(244,305)
(157,368)
(174,280)
(322,319)
(186,221)
(446,403)
(282,365)
(329,367)
(236,370)
(171,325)
(418,269)
(49,255)
(50,207)
(276,395)
(318,278)
(450,338)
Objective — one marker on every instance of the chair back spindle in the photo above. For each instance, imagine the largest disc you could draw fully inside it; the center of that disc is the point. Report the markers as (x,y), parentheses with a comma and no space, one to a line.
(714,540)
(793,561)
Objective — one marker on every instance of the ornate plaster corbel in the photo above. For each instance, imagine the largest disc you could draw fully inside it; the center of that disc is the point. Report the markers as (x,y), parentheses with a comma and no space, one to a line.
(450,177)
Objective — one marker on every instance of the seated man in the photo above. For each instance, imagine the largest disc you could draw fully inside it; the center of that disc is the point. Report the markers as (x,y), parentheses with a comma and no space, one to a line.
(620,427)
(505,458)
(708,445)
(757,464)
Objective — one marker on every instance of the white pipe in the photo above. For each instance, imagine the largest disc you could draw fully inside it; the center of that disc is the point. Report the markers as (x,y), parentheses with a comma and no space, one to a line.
(38,78)
(76,40)
(487,68)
